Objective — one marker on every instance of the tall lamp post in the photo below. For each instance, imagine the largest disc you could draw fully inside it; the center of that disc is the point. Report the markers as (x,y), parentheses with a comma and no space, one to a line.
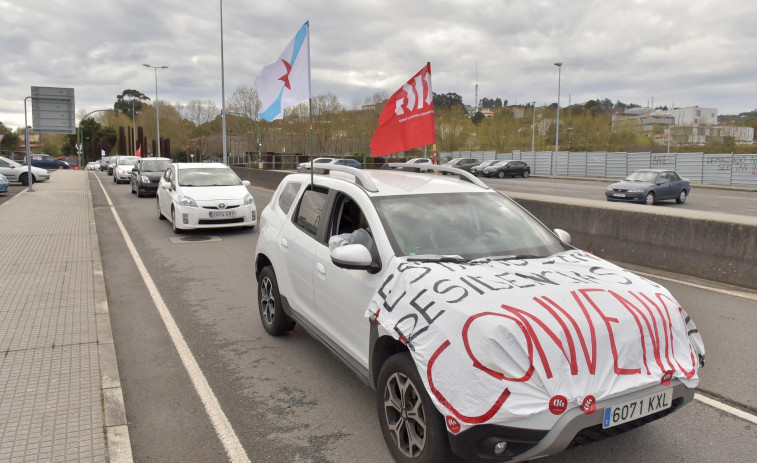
(533,125)
(157,106)
(223,93)
(557,129)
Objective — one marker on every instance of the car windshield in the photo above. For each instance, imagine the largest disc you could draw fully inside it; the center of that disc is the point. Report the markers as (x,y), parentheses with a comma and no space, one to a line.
(130,161)
(322,160)
(207,176)
(486,163)
(12,162)
(154,165)
(642,176)
(471,225)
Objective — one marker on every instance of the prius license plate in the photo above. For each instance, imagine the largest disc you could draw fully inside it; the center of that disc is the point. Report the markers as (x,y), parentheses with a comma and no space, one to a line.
(221,214)
(619,195)
(635,409)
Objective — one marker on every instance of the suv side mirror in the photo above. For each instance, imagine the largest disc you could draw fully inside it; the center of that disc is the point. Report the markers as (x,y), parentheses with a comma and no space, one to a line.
(563,235)
(352,256)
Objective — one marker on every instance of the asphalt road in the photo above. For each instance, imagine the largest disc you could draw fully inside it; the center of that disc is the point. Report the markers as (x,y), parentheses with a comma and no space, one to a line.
(289,400)
(702,199)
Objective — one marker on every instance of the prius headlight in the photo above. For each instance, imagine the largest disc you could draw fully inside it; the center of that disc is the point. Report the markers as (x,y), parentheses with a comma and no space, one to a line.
(187,201)
(248,199)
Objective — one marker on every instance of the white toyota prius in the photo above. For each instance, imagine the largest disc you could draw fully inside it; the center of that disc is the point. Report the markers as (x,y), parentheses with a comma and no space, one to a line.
(199,195)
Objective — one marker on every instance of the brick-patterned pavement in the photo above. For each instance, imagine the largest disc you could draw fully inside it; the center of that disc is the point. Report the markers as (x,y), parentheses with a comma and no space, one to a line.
(57,363)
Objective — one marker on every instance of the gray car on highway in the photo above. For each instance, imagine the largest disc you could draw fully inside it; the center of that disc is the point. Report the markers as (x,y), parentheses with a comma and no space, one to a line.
(650,186)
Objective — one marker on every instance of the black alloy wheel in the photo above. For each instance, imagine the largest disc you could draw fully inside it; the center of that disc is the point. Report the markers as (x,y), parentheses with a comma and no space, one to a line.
(272,315)
(412,427)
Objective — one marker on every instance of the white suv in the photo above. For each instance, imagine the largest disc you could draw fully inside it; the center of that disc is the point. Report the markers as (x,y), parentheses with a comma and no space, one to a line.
(485,335)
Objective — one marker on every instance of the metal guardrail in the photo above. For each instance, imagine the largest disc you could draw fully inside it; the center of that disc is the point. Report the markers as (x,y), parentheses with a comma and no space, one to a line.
(701,168)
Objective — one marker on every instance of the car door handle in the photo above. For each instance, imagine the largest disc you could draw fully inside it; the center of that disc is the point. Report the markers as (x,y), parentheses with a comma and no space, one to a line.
(321,269)
(284,243)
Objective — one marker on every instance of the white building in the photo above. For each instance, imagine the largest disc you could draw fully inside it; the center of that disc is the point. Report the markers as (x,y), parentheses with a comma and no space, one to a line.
(694,115)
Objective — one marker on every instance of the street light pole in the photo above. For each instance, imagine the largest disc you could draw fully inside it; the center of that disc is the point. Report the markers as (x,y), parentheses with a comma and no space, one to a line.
(223,93)
(157,105)
(533,125)
(557,129)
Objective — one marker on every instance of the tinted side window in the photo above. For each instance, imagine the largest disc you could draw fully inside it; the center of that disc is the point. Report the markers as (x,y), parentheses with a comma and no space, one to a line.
(310,210)
(287,196)
(674,177)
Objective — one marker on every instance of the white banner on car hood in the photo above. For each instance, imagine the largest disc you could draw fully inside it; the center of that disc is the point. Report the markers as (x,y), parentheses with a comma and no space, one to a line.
(505,340)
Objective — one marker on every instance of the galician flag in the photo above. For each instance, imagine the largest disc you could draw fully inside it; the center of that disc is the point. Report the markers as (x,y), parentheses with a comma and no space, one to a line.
(286,82)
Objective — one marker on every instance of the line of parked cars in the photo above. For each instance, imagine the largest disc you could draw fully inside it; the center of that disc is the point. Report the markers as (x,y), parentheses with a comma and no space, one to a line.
(15,172)
(190,195)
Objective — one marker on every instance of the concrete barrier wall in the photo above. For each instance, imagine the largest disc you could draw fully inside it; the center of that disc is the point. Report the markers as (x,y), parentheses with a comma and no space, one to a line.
(712,246)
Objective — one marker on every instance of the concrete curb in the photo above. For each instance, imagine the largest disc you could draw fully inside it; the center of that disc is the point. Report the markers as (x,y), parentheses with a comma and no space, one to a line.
(116,425)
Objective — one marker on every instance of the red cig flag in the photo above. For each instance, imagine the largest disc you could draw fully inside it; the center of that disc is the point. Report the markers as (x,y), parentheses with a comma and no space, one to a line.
(407,120)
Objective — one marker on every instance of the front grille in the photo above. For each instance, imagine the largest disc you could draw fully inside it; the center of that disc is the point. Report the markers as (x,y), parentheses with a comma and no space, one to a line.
(221,221)
(597,433)
(216,208)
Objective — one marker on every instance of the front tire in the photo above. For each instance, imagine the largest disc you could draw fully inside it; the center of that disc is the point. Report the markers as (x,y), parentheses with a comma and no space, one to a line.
(175,229)
(160,214)
(413,429)
(24,179)
(649,199)
(526,174)
(681,197)
(272,315)
(501,174)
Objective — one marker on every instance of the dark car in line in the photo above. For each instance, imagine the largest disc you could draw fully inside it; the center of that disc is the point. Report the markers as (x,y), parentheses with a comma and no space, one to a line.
(45,161)
(145,176)
(104,163)
(463,163)
(508,168)
(650,186)
(479,169)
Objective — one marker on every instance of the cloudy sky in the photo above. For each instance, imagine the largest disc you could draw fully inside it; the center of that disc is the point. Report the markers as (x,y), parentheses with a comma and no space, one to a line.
(681,52)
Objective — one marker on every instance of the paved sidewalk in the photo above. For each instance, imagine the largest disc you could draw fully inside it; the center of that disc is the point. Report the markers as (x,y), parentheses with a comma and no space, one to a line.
(60,393)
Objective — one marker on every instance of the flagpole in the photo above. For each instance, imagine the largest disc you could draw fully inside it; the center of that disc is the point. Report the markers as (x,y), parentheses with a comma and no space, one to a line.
(310,110)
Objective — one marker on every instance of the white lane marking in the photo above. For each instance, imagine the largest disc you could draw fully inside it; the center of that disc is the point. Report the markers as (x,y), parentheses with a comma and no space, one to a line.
(221,424)
(743,295)
(726,408)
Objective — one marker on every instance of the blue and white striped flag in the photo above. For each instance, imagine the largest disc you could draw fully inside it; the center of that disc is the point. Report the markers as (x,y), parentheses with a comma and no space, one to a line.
(286,82)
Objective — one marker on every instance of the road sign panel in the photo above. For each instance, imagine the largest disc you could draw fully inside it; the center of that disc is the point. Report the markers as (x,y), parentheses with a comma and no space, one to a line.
(53,110)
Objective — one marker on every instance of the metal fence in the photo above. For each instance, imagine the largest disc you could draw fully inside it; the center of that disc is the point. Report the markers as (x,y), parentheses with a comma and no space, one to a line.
(707,169)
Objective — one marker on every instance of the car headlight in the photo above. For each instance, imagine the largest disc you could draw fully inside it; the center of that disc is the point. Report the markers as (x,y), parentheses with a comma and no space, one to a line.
(248,199)
(145,179)
(187,201)
(638,190)
(609,188)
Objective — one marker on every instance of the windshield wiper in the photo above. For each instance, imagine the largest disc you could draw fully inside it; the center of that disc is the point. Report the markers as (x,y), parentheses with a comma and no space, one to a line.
(436,258)
(484,260)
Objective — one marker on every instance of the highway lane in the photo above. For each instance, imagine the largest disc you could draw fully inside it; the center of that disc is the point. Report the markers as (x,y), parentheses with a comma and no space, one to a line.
(701,198)
(289,399)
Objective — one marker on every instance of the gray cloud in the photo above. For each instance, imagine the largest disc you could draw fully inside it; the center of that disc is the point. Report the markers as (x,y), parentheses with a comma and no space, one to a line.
(683,52)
